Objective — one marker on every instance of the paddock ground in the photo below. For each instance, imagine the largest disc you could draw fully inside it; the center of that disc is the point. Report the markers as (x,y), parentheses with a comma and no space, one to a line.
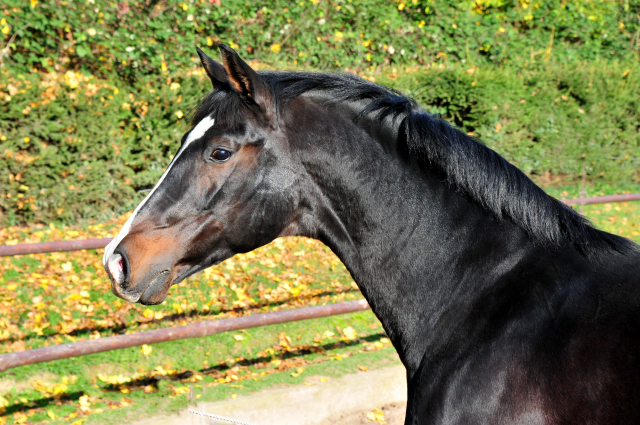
(353,399)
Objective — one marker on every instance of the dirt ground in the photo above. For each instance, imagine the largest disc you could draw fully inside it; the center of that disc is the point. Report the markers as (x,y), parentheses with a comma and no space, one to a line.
(393,415)
(338,401)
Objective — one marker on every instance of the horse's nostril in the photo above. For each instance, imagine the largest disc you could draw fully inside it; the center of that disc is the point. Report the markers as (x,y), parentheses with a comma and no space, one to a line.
(118,268)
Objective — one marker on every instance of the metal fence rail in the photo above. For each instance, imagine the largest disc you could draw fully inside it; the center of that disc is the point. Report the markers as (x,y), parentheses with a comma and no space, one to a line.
(193,330)
(59,246)
(603,199)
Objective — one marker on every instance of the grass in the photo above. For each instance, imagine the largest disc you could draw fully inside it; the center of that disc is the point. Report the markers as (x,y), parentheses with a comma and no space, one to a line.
(202,369)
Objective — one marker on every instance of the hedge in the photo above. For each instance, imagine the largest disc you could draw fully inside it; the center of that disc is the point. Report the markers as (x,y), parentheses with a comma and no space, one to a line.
(95,94)
(136,38)
(78,147)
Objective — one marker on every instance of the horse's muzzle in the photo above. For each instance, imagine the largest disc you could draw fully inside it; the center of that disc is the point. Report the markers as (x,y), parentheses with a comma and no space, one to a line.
(136,277)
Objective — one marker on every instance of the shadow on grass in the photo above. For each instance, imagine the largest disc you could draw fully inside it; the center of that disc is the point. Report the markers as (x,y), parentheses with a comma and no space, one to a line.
(259,361)
(41,403)
(150,383)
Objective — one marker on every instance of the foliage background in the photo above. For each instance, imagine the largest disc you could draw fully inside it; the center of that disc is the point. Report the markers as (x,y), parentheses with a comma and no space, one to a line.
(135,38)
(94,95)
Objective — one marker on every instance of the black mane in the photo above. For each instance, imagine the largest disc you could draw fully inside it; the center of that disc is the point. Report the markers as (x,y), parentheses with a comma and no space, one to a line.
(470,166)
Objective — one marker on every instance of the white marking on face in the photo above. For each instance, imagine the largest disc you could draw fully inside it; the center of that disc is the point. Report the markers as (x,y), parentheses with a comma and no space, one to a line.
(114,264)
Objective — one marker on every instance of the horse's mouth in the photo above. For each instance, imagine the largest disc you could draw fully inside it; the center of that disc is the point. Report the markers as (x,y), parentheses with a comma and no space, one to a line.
(157,290)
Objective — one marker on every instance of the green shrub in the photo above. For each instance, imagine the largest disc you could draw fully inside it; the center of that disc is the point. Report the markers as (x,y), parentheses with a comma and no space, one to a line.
(135,38)
(555,120)
(88,110)
(78,147)
(86,151)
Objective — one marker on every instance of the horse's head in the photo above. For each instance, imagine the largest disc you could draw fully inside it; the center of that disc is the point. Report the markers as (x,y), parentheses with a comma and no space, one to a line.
(229,189)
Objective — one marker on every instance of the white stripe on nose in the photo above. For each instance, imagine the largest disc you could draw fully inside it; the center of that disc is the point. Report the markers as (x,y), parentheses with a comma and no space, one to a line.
(195,134)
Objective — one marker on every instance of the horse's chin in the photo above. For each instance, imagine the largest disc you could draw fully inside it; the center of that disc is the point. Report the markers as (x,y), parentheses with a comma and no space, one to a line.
(157,291)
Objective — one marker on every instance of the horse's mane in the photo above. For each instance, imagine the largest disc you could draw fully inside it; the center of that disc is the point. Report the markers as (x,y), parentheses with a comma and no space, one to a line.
(469,166)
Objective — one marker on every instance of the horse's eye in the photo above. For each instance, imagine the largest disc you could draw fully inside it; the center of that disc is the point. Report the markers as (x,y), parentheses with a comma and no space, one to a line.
(220,155)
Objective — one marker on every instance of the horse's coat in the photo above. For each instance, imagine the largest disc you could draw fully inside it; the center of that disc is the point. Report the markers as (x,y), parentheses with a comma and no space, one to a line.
(505,306)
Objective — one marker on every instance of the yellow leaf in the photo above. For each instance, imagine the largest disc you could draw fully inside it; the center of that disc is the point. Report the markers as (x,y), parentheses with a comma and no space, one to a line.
(349,333)
(174,86)
(66,266)
(376,416)
(180,390)
(85,405)
(146,350)
(51,415)
(72,79)
(275,48)
(91,31)
(298,372)
(179,114)
(238,337)
(327,334)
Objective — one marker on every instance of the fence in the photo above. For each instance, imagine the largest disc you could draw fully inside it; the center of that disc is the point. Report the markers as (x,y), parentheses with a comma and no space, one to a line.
(194,330)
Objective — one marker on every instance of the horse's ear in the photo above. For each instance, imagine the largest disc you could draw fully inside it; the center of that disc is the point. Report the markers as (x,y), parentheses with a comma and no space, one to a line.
(214,69)
(242,78)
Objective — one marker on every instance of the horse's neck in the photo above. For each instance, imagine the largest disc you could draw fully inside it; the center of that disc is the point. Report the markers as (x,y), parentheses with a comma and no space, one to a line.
(420,253)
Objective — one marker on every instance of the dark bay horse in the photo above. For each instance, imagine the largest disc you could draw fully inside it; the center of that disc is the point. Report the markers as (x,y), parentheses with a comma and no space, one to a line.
(505,306)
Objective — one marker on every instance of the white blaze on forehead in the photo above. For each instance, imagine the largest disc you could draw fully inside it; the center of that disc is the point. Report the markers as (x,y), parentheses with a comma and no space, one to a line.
(113,265)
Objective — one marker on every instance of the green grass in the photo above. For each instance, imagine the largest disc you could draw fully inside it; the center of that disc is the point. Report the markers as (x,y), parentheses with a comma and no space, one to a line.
(260,351)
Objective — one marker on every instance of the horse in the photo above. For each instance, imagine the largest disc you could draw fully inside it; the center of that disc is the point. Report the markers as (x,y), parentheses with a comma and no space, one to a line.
(504,305)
